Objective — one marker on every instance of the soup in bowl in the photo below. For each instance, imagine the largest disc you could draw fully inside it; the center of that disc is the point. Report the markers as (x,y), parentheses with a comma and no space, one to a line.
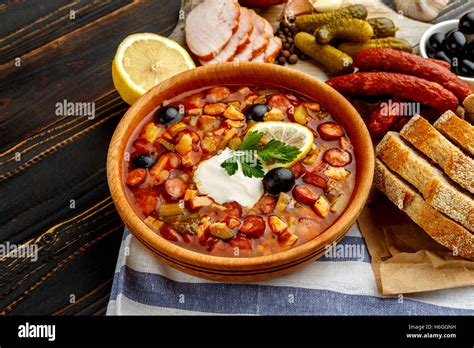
(240,172)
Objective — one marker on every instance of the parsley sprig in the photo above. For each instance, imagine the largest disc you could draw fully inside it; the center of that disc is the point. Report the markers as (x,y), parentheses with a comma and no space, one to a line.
(250,148)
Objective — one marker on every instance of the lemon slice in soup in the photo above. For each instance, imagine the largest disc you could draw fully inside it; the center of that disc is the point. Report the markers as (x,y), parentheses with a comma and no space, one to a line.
(292,134)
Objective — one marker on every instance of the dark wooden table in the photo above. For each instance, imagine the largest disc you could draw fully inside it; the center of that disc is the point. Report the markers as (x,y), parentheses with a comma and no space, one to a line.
(53,189)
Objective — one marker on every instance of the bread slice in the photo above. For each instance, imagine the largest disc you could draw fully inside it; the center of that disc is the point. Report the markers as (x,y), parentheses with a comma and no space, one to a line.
(455,163)
(442,229)
(457,130)
(434,186)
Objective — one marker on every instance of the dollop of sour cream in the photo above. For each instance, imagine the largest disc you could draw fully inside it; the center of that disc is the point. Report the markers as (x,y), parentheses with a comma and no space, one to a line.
(211,179)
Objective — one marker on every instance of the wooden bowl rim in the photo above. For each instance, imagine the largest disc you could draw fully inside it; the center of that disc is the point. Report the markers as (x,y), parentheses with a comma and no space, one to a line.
(242,70)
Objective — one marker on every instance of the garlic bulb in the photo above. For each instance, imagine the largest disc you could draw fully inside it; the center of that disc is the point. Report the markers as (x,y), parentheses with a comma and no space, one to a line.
(295,8)
(421,10)
(326,5)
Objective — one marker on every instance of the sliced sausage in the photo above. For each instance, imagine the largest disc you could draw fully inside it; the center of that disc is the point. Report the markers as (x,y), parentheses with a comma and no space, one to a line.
(279,101)
(241,242)
(266,204)
(175,188)
(330,131)
(234,209)
(337,157)
(314,179)
(305,194)
(136,177)
(146,203)
(253,226)
(174,160)
(297,170)
(211,243)
(169,234)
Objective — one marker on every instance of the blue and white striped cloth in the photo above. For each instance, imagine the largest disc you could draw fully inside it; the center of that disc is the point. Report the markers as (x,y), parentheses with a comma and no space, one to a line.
(143,285)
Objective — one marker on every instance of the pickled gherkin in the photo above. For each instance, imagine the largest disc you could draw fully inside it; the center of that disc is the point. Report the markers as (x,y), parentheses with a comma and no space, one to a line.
(383,27)
(333,59)
(350,29)
(352,48)
(310,22)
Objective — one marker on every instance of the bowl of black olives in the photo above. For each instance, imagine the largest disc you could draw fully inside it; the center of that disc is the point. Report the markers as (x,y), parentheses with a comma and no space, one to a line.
(453,42)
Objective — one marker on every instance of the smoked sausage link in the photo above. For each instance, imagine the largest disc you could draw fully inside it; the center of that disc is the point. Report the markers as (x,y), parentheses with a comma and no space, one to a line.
(398,85)
(406,63)
(382,118)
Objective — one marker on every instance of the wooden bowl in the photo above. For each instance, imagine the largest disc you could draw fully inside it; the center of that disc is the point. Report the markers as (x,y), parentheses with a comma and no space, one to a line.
(245,74)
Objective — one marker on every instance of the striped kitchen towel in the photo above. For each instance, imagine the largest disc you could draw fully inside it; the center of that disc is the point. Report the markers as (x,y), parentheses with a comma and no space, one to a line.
(341,283)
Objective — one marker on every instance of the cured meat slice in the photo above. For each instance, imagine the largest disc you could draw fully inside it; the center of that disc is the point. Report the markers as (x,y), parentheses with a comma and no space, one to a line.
(241,35)
(246,54)
(274,45)
(259,38)
(267,28)
(273,49)
(247,23)
(210,26)
(259,58)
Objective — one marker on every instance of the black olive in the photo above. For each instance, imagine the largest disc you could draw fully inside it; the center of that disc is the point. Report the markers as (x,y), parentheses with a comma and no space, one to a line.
(469,50)
(168,115)
(436,42)
(466,23)
(430,51)
(257,111)
(143,161)
(455,42)
(441,55)
(278,180)
(465,68)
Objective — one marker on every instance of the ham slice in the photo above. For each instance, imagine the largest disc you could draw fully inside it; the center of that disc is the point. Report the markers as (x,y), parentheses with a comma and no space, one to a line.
(258,40)
(247,23)
(259,58)
(273,49)
(267,28)
(274,45)
(240,37)
(210,26)
(259,37)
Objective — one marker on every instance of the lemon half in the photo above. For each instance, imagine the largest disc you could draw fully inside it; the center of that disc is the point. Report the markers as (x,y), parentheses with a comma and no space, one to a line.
(292,134)
(144,60)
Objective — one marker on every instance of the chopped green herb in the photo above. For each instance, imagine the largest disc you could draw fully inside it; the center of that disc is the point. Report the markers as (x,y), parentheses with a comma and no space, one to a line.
(273,151)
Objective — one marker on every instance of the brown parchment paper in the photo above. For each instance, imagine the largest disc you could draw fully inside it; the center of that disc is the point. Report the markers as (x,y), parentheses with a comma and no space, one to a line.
(404,258)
